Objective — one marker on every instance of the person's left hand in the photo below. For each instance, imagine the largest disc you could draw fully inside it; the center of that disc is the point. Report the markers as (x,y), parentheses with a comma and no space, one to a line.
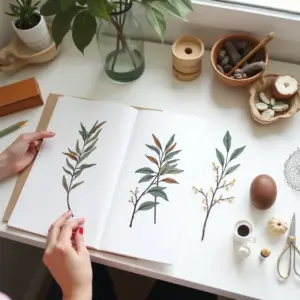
(21,153)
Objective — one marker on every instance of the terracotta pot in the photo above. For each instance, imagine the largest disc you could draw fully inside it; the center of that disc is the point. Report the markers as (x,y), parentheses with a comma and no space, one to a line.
(265,85)
(236,37)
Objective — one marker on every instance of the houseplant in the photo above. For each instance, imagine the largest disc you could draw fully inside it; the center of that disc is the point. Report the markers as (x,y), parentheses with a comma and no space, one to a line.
(124,57)
(30,25)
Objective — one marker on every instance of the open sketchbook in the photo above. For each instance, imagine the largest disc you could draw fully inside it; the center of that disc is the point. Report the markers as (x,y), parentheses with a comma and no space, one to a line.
(126,171)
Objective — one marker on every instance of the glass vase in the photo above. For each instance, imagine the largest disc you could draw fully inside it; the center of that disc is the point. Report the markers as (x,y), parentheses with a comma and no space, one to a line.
(120,44)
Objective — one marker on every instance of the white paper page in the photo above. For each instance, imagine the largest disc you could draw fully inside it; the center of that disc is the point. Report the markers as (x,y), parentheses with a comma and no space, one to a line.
(146,240)
(43,198)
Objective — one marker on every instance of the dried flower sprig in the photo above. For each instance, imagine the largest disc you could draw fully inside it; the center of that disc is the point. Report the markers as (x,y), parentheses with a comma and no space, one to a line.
(165,164)
(74,158)
(222,170)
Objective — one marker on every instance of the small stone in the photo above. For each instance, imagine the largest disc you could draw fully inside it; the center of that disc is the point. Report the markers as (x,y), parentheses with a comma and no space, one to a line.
(281,107)
(238,76)
(254,68)
(228,68)
(261,106)
(238,71)
(222,54)
(225,61)
(220,69)
(269,113)
(240,45)
(244,75)
(234,55)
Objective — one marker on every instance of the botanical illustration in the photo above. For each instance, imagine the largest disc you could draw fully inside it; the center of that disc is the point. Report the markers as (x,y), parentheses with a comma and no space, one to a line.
(222,183)
(75,158)
(165,161)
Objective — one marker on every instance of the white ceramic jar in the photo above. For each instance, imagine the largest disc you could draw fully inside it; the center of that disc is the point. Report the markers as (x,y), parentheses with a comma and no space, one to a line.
(37,38)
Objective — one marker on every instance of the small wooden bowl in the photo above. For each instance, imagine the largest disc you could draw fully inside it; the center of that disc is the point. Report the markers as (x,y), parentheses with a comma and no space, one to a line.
(236,37)
(265,85)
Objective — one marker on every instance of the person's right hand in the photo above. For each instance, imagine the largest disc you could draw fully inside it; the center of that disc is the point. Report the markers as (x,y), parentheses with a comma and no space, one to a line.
(68,260)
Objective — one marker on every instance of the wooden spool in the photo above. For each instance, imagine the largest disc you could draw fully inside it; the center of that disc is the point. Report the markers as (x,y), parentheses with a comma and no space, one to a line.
(187,52)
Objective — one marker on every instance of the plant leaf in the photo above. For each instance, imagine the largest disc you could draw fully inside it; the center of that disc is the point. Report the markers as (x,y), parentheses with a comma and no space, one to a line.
(78,148)
(169,8)
(65,4)
(77,173)
(231,169)
(159,193)
(84,156)
(172,171)
(147,205)
(83,130)
(152,159)
(236,153)
(67,171)
(171,148)
(157,188)
(146,178)
(220,157)
(188,4)
(72,156)
(154,149)
(169,180)
(76,185)
(156,141)
(62,23)
(145,171)
(172,161)
(99,9)
(227,141)
(50,8)
(72,152)
(92,138)
(170,142)
(171,155)
(157,20)
(86,166)
(83,30)
(69,165)
(89,148)
(64,183)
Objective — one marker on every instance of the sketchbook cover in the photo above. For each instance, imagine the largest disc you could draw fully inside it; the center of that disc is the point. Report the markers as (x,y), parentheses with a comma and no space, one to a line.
(43,125)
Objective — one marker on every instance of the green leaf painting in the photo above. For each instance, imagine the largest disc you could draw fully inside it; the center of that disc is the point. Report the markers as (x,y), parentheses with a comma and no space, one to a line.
(74,158)
(215,195)
(163,161)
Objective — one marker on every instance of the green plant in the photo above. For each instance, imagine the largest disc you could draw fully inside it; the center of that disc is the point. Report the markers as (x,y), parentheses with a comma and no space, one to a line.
(74,167)
(166,164)
(24,13)
(211,198)
(81,16)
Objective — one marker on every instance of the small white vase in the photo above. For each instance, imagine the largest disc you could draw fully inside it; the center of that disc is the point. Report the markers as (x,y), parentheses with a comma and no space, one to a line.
(37,38)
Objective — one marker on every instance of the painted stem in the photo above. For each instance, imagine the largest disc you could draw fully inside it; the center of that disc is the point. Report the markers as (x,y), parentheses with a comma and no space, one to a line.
(222,176)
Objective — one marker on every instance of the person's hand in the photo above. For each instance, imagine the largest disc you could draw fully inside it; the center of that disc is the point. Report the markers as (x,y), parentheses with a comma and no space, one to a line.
(68,260)
(21,153)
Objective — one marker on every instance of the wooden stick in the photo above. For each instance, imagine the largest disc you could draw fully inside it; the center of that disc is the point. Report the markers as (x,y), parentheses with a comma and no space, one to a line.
(262,43)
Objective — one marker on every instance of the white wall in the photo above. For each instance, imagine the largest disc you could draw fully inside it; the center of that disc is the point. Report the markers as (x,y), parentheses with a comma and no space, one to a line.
(5,24)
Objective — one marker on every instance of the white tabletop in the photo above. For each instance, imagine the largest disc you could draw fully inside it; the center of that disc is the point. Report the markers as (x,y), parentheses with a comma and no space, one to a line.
(220,272)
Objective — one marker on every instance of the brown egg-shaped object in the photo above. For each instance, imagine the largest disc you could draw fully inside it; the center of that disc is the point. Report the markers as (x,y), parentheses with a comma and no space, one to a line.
(263,192)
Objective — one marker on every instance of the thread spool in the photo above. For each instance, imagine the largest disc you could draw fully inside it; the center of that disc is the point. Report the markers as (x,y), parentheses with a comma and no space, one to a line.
(187,52)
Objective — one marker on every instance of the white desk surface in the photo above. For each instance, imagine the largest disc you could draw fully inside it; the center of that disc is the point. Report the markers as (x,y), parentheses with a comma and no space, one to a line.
(210,265)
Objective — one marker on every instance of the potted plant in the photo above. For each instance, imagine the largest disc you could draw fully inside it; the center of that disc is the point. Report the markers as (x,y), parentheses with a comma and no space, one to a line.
(119,35)
(30,25)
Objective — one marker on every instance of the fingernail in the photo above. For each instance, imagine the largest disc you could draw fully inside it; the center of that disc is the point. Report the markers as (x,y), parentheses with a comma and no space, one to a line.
(50,228)
(81,230)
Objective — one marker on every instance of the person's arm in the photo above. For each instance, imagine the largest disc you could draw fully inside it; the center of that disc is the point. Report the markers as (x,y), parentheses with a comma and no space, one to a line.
(21,153)
(68,260)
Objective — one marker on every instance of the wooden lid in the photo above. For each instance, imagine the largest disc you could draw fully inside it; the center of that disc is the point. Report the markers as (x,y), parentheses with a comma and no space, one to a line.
(188,48)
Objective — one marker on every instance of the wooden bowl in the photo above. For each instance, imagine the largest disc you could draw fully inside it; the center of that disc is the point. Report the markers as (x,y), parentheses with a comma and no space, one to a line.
(265,85)
(236,37)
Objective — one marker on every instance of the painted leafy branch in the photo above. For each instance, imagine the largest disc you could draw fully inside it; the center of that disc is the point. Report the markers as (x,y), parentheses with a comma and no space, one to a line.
(75,159)
(222,170)
(165,164)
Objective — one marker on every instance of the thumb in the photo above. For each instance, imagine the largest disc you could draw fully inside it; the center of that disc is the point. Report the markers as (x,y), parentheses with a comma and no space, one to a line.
(79,241)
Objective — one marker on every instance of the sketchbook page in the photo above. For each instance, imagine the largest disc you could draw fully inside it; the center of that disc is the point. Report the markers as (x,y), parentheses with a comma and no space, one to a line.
(45,195)
(145,210)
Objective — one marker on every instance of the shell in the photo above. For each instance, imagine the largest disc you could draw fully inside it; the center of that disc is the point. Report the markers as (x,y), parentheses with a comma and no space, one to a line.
(277,226)
(261,106)
(280,107)
(268,113)
(265,85)
(273,101)
(264,98)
